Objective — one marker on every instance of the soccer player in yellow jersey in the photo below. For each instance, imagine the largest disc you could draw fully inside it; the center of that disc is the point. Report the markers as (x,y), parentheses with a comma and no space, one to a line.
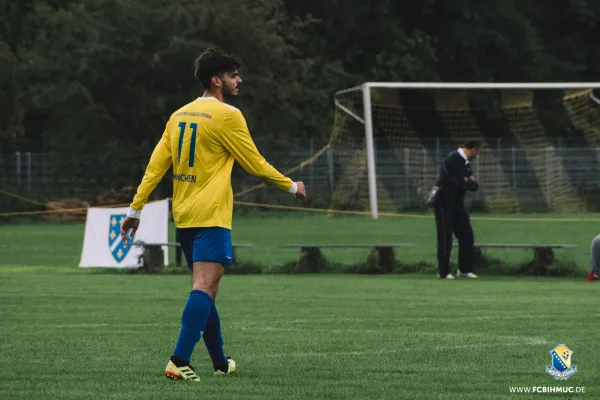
(201,141)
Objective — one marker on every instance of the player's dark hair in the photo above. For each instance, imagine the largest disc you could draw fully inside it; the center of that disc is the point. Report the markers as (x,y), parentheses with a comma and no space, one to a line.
(214,62)
(469,144)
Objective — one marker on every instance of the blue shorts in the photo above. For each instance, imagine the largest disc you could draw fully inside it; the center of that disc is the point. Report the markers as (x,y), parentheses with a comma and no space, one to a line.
(206,244)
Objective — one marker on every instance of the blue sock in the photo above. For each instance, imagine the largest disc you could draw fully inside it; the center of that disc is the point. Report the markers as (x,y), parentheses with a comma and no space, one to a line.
(193,323)
(213,338)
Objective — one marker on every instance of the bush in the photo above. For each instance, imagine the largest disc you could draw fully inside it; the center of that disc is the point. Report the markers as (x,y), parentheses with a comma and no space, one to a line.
(78,210)
(538,267)
(382,262)
(242,268)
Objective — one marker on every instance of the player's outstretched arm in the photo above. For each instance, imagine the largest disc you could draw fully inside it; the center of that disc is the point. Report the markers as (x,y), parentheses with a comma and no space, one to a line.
(160,161)
(237,140)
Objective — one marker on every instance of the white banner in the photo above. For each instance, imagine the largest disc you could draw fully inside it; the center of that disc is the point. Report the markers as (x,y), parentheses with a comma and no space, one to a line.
(102,243)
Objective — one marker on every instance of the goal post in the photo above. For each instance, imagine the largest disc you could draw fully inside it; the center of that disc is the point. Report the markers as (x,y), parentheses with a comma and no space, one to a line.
(532,169)
(370,152)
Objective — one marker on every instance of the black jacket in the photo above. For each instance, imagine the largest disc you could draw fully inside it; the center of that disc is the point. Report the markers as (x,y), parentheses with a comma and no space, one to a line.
(452,180)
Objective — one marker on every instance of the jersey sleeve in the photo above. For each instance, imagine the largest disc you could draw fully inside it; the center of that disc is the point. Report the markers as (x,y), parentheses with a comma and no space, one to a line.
(237,141)
(160,161)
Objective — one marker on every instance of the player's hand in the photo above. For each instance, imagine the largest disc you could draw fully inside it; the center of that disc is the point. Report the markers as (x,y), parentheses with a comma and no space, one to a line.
(129,223)
(301,193)
(472,178)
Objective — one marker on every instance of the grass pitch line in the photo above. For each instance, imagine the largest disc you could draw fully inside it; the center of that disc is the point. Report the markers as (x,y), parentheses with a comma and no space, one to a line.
(97,325)
(526,340)
(529,342)
(532,340)
(383,329)
(425,319)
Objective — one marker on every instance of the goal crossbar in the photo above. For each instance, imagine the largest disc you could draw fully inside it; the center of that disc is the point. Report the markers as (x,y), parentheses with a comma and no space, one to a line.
(481,85)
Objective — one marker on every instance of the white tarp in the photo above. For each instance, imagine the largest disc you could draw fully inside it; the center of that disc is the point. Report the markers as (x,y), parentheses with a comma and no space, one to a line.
(102,244)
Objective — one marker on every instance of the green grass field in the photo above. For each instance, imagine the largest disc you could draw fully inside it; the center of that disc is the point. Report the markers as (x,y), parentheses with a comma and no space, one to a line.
(73,333)
(60,245)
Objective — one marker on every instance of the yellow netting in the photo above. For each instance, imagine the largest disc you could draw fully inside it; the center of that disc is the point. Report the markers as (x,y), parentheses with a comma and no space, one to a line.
(524,164)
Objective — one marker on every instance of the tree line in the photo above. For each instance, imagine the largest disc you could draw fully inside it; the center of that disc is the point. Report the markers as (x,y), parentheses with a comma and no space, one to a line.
(94,81)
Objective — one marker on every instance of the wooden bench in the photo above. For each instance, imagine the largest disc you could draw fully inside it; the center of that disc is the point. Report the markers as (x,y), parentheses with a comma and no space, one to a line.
(153,256)
(382,254)
(543,254)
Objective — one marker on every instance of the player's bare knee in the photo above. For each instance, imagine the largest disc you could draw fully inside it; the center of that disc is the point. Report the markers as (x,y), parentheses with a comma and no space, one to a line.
(207,276)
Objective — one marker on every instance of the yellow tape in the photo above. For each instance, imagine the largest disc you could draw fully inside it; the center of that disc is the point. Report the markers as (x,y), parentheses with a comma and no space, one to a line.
(332,211)
(25,199)
(64,210)
(294,208)
(58,210)
(288,172)
(249,190)
(326,210)
(421,216)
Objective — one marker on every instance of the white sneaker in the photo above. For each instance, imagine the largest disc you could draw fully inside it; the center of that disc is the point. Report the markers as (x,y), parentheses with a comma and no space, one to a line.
(467,275)
(449,276)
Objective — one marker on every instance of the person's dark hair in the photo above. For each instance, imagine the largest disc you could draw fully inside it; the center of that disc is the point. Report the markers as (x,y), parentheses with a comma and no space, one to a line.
(469,144)
(214,62)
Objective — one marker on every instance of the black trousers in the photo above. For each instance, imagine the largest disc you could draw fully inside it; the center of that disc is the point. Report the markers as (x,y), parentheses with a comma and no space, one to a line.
(453,220)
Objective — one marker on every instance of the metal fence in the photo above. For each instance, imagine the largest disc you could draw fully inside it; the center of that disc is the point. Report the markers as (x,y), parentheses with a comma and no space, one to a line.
(548,175)
(37,176)
(532,179)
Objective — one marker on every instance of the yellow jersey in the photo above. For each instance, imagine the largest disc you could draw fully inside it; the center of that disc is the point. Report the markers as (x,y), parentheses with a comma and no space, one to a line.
(202,140)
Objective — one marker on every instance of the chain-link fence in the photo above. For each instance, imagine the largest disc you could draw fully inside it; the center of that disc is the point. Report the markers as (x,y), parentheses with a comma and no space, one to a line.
(519,179)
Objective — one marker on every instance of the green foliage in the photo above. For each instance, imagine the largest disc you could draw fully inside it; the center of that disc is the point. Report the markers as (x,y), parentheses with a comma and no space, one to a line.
(243,268)
(454,40)
(11,112)
(486,267)
(100,78)
(95,80)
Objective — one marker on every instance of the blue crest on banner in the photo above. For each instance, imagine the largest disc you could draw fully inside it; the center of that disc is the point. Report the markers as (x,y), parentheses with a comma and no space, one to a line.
(115,243)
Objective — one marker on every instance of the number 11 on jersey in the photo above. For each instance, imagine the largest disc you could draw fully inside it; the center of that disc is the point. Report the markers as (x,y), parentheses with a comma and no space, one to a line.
(182,127)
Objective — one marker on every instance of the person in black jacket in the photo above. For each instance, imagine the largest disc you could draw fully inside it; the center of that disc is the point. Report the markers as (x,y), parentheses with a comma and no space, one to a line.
(451,215)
